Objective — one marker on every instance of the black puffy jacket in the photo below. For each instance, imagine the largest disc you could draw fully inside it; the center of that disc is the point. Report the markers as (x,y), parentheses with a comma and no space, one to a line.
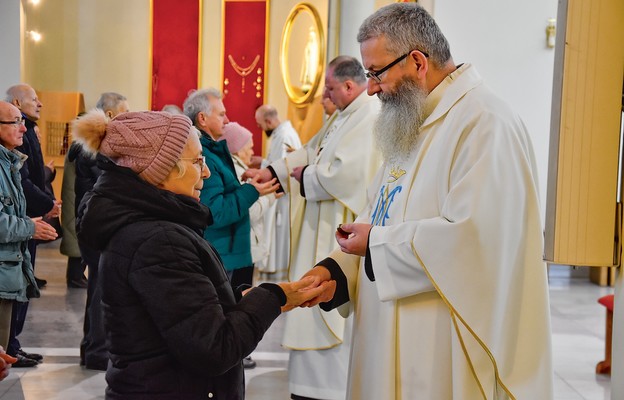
(87,171)
(174,327)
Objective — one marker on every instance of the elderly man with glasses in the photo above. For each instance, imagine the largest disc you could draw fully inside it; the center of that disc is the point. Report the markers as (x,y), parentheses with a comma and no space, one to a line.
(40,201)
(16,228)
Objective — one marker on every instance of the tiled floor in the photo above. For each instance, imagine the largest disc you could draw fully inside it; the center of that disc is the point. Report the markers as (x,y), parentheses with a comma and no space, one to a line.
(54,329)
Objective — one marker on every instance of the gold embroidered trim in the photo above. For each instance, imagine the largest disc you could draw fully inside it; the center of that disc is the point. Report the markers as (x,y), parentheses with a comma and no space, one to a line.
(455,314)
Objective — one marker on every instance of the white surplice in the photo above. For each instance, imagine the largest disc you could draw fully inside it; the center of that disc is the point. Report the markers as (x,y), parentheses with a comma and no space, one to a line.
(341,160)
(459,305)
(276,221)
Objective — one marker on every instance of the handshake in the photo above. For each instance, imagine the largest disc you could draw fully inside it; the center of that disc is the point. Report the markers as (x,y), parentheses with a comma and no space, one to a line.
(315,287)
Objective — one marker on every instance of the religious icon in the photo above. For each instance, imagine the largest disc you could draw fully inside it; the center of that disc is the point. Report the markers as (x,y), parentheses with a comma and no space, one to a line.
(310,61)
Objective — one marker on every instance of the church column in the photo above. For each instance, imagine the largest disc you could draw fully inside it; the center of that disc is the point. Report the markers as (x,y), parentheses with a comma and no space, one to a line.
(10,39)
(352,14)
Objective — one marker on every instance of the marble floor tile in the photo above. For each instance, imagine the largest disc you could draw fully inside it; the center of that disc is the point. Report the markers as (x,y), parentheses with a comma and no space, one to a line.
(54,329)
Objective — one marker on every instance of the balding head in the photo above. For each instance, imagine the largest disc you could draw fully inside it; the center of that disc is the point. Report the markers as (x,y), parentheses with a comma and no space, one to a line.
(25,99)
(267,118)
(12,129)
(112,104)
(344,80)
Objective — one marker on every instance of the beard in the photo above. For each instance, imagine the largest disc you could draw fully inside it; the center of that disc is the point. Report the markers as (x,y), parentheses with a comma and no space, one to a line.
(398,125)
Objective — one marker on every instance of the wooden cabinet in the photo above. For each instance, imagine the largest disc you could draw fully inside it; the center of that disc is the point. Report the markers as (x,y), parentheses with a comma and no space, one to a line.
(59,109)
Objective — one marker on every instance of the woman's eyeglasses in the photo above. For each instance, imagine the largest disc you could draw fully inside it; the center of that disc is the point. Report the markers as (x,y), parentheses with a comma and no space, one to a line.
(201,161)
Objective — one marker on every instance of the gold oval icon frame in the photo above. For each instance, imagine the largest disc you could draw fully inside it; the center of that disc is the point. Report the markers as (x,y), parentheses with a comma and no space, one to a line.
(295,94)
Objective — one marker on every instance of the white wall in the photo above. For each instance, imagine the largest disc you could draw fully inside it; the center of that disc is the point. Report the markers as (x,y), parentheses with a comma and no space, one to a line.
(9,44)
(352,14)
(114,50)
(505,40)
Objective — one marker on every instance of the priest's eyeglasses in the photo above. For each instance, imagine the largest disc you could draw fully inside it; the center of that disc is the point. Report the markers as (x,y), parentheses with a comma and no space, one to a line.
(17,122)
(201,161)
(376,75)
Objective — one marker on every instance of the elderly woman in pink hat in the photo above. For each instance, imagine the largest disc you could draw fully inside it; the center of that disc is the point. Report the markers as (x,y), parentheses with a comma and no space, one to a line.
(176,328)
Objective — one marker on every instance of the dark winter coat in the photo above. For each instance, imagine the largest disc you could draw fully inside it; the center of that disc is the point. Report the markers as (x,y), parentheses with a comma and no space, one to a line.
(87,171)
(174,326)
(39,201)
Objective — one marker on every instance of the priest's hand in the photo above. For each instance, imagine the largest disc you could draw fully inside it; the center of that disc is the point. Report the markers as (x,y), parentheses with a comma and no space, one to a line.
(297,173)
(323,276)
(264,175)
(303,290)
(353,238)
(255,162)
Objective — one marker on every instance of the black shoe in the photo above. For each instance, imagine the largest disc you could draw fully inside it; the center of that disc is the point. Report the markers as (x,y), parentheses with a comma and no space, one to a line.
(31,356)
(248,363)
(98,366)
(77,283)
(23,362)
(40,282)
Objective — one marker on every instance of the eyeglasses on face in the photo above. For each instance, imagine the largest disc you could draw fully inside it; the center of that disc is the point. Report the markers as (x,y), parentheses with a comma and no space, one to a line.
(17,122)
(376,75)
(201,161)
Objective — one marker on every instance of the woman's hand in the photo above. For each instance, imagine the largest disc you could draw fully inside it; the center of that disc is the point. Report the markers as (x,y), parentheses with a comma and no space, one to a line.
(305,290)
(265,188)
(263,174)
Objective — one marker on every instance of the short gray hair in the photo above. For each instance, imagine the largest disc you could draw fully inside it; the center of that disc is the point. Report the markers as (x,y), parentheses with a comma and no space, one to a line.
(109,101)
(347,68)
(199,101)
(17,92)
(407,27)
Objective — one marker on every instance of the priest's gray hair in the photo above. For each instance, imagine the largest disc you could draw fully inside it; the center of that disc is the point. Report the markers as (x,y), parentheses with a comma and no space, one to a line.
(347,68)
(199,101)
(109,101)
(407,27)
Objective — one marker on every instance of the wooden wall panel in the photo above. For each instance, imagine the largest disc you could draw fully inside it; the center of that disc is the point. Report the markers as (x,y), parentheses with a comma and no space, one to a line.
(585,133)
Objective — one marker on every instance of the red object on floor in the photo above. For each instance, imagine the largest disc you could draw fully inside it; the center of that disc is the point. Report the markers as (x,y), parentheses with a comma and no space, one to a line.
(604,367)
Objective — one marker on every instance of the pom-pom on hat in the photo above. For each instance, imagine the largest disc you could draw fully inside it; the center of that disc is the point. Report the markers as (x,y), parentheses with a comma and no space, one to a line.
(148,142)
(236,136)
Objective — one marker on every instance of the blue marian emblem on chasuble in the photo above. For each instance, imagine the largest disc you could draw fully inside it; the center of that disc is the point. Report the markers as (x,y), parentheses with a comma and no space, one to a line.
(386,197)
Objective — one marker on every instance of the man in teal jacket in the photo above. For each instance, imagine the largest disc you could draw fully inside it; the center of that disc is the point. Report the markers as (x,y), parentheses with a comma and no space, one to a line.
(228,199)
(17,281)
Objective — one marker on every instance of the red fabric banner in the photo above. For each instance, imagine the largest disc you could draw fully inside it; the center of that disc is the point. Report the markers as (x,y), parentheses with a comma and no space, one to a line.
(244,44)
(175,50)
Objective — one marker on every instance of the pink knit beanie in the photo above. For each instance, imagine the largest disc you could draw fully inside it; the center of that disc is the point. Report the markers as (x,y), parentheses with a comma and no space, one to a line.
(236,136)
(147,142)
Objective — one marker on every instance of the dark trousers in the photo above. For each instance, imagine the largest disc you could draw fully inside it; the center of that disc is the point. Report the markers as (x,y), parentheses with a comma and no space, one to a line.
(75,269)
(18,316)
(93,349)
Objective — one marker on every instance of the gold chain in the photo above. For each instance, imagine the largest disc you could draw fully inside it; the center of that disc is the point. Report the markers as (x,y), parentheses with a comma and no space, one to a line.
(243,71)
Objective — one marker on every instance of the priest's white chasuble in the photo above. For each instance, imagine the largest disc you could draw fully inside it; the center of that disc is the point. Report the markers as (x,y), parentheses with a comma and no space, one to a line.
(458,308)
(340,161)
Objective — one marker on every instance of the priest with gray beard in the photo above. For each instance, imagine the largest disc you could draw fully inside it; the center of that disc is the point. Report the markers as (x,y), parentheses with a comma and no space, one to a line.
(443,269)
